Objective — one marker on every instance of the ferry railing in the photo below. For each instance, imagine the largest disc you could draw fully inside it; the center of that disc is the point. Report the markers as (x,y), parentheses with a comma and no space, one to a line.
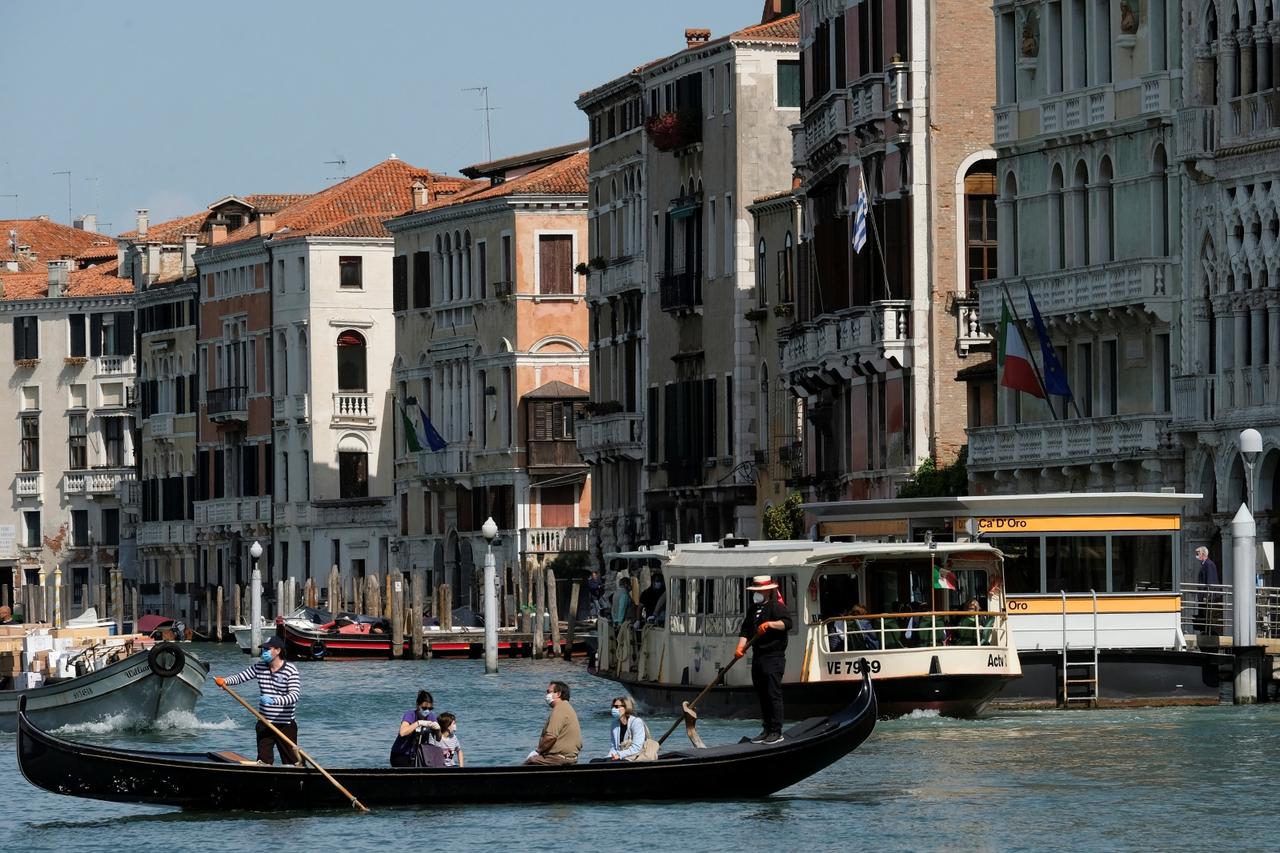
(923,630)
(1207,610)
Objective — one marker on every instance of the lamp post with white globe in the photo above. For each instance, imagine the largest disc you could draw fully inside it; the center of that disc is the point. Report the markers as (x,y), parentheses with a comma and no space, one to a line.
(255,599)
(490,531)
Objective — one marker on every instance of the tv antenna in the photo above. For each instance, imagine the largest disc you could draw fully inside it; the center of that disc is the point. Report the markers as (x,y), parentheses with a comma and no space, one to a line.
(70,215)
(341,163)
(486,109)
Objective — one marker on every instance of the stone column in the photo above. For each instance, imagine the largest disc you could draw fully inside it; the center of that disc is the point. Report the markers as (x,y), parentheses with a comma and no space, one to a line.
(1273,36)
(1230,54)
(1204,84)
(1262,57)
(1245,56)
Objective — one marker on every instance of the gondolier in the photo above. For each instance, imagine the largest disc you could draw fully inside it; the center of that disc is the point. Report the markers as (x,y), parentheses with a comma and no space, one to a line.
(279,685)
(768,621)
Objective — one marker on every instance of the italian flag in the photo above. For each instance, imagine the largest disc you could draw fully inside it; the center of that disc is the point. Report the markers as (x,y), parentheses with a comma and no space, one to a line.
(1013,358)
(943,579)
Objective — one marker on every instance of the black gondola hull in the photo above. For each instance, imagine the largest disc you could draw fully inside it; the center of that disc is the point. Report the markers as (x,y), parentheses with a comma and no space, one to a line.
(206,782)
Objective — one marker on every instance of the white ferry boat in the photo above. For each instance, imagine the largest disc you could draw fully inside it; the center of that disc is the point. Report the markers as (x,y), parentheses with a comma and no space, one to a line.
(852,605)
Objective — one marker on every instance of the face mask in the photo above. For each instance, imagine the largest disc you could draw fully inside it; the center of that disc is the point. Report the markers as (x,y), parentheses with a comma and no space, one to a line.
(617,712)
(757,597)
(266,655)
(423,713)
(551,698)
(453,731)
(657,586)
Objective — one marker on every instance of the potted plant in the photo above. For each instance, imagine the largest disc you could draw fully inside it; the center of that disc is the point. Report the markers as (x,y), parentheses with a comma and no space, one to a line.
(75,360)
(25,363)
(755,315)
(599,263)
(582,268)
(673,130)
(783,309)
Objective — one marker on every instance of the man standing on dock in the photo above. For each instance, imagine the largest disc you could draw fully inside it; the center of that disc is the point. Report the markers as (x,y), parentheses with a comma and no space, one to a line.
(768,621)
(279,685)
(1208,576)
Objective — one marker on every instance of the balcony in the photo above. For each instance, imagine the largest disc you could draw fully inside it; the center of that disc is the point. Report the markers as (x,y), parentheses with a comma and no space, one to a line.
(558,453)
(1197,132)
(1006,121)
(107,482)
(873,338)
(897,84)
(1118,284)
(553,540)
(615,436)
(969,332)
(302,408)
(233,511)
(680,291)
(621,275)
(279,408)
(29,485)
(453,464)
(1234,397)
(130,493)
(1068,112)
(824,123)
(227,404)
(160,425)
(159,533)
(353,409)
(114,365)
(1156,90)
(1071,442)
(866,100)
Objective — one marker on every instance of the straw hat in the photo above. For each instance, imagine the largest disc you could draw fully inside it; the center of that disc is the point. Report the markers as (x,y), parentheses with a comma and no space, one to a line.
(760,583)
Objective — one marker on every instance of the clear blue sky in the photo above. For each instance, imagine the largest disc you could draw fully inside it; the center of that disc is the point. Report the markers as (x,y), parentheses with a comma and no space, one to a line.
(172,105)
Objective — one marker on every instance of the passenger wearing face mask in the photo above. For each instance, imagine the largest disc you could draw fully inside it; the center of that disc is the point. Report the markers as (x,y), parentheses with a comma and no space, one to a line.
(561,739)
(278,684)
(412,725)
(651,600)
(629,735)
(768,621)
(446,739)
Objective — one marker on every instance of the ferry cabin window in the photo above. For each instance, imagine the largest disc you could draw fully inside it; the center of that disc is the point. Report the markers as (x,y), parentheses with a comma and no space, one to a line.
(1076,563)
(676,604)
(838,592)
(1141,563)
(1021,562)
(732,594)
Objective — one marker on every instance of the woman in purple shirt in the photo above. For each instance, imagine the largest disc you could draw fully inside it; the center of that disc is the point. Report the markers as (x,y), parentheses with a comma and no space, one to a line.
(412,725)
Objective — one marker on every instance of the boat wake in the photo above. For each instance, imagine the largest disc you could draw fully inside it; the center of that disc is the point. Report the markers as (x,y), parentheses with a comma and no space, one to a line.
(173,721)
(921,714)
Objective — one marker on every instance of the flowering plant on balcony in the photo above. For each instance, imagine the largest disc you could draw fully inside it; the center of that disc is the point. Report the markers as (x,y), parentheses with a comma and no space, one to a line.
(603,407)
(582,268)
(75,360)
(783,309)
(755,315)
(25,363)
(669,131)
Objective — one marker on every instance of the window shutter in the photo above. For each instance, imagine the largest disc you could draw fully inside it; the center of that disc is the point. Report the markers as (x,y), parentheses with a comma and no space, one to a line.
(421,279)
(95,335)
(555,259)
(541,421)
(709,417)
(18,337)
(670,423)
(400,283)
(124,333)
(180,392)
(77,335)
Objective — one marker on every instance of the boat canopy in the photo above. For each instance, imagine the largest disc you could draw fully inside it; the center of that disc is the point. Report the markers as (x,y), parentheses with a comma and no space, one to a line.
(637,555)
(840,551)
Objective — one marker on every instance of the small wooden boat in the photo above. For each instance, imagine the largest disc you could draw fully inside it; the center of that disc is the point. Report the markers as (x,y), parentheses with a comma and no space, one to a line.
(222,781)
(141,687)
(349,636)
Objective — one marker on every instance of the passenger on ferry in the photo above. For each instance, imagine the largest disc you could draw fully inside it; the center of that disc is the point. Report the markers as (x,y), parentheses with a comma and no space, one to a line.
(895,628)
(856,633)
(968,628)
(924,630)
(629,734)
(653,600)
(623,606)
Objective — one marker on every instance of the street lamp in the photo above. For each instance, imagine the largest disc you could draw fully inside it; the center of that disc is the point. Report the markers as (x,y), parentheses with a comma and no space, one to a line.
(1250,450)
(1244,603)
(255,599)
(490,531)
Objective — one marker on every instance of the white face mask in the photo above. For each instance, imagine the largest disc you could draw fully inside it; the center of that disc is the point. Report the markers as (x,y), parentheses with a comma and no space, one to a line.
(757,597)
(617,712)
(551,698)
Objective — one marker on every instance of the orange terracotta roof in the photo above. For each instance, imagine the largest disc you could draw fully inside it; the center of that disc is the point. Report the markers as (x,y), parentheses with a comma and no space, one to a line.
(274,202)
(48,240)
(564,177)
(103,248)
(172,230)
(786,28)
(99,280)
(355,207)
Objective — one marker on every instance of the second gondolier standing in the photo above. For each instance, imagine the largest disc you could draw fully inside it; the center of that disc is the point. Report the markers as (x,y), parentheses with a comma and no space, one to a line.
(768,620)
(279,686)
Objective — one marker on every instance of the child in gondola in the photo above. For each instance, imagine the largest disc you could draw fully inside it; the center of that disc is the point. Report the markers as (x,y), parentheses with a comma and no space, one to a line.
(446,739)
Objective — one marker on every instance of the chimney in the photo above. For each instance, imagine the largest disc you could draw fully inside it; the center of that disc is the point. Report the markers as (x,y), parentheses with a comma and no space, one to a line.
(88,222)
(217,232)
(59,276)
(694,37)
(143,222)
(11,265)
(152,270)
(188,254)
(266,223)
(418,190)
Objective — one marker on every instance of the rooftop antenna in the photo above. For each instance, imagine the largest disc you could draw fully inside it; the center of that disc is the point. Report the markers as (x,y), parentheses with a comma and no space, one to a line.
(486,109)
(70,216)
(341,163)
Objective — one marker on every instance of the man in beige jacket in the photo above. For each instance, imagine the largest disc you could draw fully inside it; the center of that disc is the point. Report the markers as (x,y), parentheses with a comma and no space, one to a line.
(561,739)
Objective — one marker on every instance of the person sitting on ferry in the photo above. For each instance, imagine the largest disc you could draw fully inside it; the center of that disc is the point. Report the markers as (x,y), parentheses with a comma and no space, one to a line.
(967,630)
(926,631)
(895,629)
(868,634)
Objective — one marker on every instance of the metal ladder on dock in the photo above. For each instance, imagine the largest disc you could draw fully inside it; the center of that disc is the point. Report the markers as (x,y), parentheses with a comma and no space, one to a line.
(1080,665)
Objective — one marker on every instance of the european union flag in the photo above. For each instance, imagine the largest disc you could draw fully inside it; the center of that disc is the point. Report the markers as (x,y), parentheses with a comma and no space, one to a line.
(1055,378)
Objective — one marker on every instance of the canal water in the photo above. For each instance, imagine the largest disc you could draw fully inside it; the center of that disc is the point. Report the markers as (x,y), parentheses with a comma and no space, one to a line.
(1159,779)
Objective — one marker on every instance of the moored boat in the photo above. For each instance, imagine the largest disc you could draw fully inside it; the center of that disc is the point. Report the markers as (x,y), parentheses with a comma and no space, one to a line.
(923,650)
(141,687)
(225,781)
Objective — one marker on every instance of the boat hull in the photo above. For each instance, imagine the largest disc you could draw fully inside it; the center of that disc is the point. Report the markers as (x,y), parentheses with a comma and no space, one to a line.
(210,782)
(951,696)
(131,688)
(1127,678)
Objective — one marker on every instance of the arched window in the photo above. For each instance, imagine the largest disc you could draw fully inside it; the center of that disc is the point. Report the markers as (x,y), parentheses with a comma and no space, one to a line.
(353,467)
(762,296)
(448,269)
(1080,215)
(980,239)
(1159,203)
(282,365)
(304,362)
(351,362)
(466,265)
(1057,219)
(1007,224)
(786,270)
(1106,212)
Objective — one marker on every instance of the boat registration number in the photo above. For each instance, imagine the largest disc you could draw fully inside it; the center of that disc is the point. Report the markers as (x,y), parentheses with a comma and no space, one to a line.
(851,667)
(82,693)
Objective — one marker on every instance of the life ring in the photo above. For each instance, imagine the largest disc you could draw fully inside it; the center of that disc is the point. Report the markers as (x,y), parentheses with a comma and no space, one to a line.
(318,649)
(166,660)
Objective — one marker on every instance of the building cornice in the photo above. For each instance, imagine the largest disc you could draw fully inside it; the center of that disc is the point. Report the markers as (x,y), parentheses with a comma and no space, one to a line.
(67,304)
(458,214)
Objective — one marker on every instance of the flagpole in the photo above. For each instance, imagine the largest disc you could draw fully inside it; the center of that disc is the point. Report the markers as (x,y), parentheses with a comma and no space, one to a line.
(1072,398)
(1018,327)
(875,229)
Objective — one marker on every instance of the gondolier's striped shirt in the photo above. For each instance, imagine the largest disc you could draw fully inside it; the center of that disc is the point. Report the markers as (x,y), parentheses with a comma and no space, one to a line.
(283,684)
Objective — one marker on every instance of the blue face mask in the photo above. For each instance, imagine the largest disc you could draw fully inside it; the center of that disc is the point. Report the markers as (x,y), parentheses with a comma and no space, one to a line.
(617,712)
(266,655)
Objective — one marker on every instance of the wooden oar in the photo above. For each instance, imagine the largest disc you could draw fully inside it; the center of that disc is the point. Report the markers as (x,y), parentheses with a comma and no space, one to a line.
(356,804)
(688,717)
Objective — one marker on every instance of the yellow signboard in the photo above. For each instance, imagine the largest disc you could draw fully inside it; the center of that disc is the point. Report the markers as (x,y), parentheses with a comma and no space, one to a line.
(1069,523)
(867,527)
(1083,603)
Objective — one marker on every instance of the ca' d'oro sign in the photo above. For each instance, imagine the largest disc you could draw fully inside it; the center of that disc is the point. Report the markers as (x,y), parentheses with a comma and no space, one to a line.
(995,524)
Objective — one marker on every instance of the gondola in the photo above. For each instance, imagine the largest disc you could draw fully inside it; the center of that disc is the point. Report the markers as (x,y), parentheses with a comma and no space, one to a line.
(219,781)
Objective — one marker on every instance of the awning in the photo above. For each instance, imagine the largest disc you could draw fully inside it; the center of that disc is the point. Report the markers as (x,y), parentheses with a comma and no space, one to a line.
(637,555)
